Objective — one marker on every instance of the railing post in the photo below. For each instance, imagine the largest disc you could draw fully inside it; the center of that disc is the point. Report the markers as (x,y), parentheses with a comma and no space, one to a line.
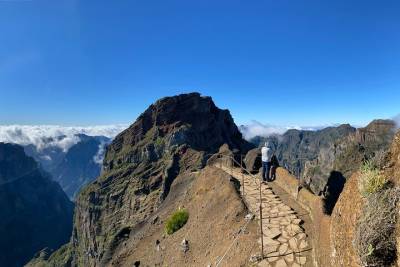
(261,226)
(231,166)
(241,171)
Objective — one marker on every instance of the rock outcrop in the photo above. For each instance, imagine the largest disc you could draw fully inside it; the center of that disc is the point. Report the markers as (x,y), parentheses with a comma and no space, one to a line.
(173,136)
(343,222)
(252,160)
(392,160)
(35,213)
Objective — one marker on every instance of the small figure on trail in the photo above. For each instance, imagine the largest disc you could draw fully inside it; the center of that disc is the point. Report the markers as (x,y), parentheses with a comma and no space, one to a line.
(274,166)
(266,155)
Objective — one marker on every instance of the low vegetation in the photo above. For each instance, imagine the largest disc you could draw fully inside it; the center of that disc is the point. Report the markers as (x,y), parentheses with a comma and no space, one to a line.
(176,221)
(371,180)
(375,240)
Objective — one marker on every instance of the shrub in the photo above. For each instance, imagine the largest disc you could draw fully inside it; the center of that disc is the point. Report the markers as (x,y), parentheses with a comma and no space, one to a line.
(371,180)
(176,221)
(375,240)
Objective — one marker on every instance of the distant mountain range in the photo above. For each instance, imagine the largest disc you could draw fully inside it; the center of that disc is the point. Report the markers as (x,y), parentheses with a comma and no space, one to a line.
(71,154)
(325,158)
(71,168)
(35,213)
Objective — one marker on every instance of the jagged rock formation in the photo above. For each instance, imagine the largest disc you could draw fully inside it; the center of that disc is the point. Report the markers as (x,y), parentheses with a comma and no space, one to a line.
(172,137)
(35,213)
(73,168)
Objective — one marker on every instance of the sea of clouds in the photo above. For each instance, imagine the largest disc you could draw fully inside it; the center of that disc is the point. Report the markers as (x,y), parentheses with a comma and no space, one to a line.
(38,135)
(256,128)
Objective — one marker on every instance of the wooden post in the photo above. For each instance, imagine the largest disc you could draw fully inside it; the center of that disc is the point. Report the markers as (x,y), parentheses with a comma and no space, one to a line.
(261,226)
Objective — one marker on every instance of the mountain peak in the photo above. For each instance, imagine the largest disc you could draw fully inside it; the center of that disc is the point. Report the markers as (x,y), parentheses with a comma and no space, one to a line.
(191,120)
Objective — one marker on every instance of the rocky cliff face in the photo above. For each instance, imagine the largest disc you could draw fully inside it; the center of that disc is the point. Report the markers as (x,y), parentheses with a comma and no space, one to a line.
(349,208)
(344,156)
(35,213)
(296,147)
(173,136)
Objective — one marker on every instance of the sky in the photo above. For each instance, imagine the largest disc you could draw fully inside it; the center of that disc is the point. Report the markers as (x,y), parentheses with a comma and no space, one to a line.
(280,62)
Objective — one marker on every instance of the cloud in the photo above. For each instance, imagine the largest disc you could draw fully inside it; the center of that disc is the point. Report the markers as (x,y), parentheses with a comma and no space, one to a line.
(99,157)
(255,128)
(397,120)
(43,136)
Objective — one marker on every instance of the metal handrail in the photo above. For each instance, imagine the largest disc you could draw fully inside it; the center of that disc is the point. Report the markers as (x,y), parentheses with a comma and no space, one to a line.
(235,161)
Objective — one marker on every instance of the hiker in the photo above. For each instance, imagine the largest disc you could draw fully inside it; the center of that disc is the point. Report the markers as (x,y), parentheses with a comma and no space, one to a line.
(274,166)
(266,154)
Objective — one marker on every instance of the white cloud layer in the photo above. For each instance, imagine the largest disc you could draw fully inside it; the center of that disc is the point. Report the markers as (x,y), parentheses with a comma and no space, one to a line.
(397,120)
(255,128)
(99,157)
(37,134)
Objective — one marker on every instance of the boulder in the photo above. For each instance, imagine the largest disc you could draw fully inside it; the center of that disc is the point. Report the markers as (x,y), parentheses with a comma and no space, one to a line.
(252,160)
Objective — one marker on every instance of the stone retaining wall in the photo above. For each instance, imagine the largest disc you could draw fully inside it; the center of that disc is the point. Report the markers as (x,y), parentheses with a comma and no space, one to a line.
(314,205)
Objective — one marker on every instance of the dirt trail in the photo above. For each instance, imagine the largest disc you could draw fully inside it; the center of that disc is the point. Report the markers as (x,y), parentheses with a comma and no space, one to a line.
(285,223)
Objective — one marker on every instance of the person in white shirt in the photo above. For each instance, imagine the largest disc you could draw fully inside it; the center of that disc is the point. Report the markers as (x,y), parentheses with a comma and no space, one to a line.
(266,155)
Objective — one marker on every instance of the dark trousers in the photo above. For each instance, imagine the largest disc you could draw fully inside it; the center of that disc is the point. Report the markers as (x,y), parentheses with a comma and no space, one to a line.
(266,168)
(273,172)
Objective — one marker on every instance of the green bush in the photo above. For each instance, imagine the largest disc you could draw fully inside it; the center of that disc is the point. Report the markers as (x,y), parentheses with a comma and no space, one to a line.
(371,180)
(176,221)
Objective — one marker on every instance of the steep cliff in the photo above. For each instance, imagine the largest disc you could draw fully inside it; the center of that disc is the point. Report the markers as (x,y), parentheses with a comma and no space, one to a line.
(173,136)
(352,208)
(35,213)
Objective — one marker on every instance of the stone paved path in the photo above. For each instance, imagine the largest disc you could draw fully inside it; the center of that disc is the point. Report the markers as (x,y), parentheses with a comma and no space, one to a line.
(285,241)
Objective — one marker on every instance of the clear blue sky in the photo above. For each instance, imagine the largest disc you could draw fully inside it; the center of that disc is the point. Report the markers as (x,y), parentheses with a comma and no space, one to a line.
(279,62)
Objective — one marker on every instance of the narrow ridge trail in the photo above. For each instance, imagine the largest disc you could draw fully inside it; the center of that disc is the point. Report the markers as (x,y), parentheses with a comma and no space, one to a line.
(285,242)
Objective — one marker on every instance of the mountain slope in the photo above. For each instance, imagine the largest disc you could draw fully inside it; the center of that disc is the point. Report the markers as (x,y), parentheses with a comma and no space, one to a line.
(35,213)
(172,137)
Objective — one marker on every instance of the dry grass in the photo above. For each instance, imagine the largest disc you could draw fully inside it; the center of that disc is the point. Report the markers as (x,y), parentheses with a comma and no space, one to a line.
(371,179)
(375,240)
